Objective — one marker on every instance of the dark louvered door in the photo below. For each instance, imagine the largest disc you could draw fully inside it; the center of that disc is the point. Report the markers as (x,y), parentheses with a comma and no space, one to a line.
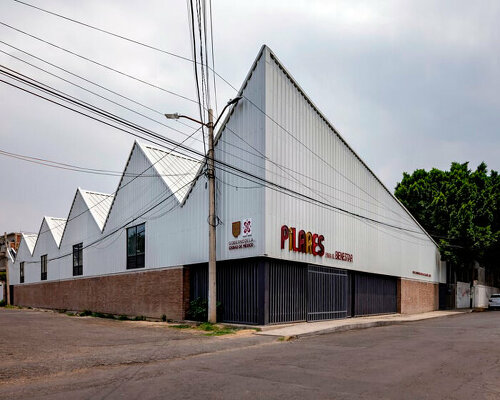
(327,293)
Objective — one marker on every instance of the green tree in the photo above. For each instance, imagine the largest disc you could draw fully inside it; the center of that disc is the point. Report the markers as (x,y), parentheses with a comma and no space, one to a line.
(460,208)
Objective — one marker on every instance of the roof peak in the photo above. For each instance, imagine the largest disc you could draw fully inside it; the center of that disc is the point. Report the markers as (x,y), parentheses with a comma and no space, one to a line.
(94,192)
(166,151)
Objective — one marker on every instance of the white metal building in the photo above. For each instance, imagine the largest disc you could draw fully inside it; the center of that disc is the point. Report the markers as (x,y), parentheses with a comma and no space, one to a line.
(306,230)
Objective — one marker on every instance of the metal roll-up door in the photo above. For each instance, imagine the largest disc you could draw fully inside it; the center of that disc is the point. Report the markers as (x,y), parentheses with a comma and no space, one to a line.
(238,291)
(374,294)
(238,288)
(327,293)
(287,292)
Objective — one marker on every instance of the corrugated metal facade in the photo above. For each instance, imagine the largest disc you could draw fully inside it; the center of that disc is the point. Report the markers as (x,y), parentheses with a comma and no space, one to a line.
(98,205)
(275,133)
(315,161)
(81,227)
(45,245)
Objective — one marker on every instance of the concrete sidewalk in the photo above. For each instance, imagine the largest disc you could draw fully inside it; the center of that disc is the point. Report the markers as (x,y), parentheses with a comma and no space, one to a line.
(316,328)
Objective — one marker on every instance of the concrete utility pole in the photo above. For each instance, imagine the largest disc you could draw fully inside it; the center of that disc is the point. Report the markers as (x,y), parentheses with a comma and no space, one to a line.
(212,218)
(7,269)
(212,266)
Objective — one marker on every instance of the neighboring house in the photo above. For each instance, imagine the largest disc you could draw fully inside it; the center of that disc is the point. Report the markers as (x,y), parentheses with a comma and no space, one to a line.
(305,231)
(7,252)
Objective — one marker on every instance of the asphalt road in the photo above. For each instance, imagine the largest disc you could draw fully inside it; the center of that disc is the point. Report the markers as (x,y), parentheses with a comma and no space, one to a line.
(52,356)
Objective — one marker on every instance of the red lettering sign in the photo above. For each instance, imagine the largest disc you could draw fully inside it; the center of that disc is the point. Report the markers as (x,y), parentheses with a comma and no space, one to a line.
(302,241)
(421,273)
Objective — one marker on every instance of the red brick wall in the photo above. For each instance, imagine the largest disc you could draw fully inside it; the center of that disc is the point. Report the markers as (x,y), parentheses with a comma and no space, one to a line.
(417,297)
(148,293)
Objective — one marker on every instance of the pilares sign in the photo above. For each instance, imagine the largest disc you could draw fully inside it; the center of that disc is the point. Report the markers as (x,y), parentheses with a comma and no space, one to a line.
(302,241)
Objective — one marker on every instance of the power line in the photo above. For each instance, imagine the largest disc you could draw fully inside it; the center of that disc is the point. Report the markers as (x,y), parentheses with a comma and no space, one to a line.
(273,185)
(94,84)
(120,95)
(99,63)
(251,102)
(105,31)
(261,155)
(96,119)
(196,75)
(111,91)
(213,54)
(96,110)
(91,92)
(204,89)
(145,116)
(309,199)
(120,227)
(317,192)
(215,74)
(76,168)
(105,115)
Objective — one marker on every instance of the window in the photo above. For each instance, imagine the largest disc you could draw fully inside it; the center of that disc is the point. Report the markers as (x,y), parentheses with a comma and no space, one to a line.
(43,262)
(21,272)
(78,259)
(136,244)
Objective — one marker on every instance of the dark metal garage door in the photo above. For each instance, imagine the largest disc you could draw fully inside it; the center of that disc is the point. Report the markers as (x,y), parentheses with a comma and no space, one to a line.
(374,294)
(238,287)
(287,292)
(307,293)
(327,293)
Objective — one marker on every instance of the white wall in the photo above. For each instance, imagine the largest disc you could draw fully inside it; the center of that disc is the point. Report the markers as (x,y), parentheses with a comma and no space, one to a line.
(80,228)
(23,254)
(45,244)
(242,144)
(481,295)
(343,181)
(463,295)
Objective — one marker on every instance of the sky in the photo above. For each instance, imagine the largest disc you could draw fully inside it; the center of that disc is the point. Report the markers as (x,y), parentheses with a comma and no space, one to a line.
(408,84)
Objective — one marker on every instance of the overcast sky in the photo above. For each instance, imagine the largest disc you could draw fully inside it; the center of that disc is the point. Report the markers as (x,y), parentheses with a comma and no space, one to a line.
(409,84)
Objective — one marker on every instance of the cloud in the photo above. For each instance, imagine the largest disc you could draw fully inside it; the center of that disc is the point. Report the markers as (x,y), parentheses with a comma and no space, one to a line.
(409,84)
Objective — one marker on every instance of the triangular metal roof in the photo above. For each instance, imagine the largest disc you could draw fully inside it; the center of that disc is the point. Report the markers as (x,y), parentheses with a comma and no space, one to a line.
(30,240)
(176,171)
(273,57)
(56,226)
(98,205)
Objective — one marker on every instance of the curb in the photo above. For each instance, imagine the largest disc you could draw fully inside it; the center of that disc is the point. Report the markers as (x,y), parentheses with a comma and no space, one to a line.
(361,325)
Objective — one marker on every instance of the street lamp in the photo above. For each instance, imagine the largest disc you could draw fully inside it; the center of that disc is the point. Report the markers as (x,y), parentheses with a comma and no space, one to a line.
(210,112)
(212,274)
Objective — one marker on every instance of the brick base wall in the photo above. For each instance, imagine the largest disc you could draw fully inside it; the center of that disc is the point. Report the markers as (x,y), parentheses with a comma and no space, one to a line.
(148,293)
(417,297)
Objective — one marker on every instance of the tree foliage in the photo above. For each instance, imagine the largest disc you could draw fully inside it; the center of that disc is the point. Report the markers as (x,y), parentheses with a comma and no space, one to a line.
(460,208)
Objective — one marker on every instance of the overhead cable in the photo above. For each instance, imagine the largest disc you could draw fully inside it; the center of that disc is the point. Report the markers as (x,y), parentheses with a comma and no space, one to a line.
(239,170)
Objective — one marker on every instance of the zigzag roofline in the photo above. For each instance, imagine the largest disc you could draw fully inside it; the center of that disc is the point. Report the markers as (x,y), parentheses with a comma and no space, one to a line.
(46,218)
(24,236)
(82,191)
(153,166)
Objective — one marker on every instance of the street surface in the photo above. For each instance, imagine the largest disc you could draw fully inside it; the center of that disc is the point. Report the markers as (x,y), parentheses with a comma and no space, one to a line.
(53,356)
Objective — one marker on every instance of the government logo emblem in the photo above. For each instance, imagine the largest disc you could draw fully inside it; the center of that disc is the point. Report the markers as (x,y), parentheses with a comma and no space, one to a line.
(236,229)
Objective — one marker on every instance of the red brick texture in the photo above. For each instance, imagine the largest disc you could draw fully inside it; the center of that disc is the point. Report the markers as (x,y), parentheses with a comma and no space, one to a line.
(417,297)
(149,293)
